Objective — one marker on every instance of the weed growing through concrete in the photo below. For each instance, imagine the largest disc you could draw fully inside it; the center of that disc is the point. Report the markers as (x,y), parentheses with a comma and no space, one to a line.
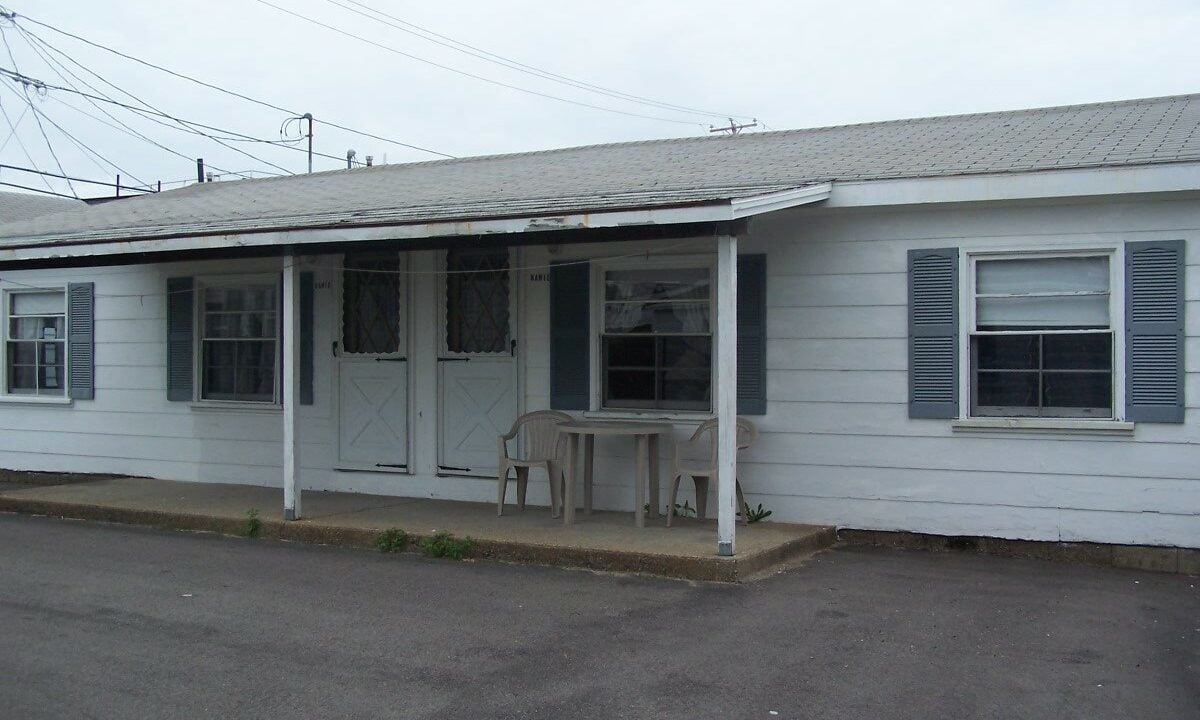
(253,524)
(444,544)
(391,540)
(754,515)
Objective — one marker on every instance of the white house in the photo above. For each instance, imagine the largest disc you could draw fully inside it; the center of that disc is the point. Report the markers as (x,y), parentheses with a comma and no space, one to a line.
(968,325)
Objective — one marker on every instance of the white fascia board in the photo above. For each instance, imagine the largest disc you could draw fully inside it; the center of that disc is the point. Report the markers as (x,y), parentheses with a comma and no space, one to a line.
(1160,178)
(722,211)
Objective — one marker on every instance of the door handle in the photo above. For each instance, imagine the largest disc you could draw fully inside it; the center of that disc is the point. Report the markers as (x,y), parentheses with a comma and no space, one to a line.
(512,347)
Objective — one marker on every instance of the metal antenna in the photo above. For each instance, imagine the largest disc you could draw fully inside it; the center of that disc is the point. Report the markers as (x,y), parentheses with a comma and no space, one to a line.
(733,128)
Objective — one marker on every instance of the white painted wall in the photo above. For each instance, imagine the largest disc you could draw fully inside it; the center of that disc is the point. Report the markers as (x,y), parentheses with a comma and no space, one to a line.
(837,445)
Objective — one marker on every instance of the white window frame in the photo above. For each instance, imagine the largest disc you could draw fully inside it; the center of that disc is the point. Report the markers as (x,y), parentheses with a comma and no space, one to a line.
(6,295)
(967,316)
(598,268)
(202,284)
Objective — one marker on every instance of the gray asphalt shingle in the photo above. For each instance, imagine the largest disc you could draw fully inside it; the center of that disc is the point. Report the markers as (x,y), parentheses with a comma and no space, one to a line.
(651,173)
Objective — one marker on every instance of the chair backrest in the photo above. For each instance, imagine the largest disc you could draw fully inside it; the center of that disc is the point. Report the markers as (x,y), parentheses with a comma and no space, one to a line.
(539,435)
(747,434)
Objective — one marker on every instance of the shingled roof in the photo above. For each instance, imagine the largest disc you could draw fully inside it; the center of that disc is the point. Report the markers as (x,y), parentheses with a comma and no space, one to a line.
(15,206)
(647,174)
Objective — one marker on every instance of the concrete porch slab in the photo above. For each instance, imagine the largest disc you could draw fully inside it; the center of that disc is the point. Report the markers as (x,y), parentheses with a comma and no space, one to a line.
(602,541)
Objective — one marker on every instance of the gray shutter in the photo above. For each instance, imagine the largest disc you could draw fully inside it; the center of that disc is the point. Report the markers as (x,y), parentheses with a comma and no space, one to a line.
(181,318)
(1154,331)
(933,333)
(570,360)
(81,341)
(306,338)
(752,335)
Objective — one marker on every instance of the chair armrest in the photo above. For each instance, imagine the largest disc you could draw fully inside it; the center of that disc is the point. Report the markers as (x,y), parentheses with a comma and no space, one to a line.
(503,440)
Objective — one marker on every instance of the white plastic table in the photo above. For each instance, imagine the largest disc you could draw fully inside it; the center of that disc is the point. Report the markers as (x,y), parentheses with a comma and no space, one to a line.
(645,461)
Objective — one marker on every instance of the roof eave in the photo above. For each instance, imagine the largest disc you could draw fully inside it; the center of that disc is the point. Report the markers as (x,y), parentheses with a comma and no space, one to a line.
(722,210)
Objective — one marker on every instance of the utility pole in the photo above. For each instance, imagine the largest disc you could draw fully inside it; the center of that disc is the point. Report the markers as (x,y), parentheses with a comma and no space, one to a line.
(309,118)
(733,128)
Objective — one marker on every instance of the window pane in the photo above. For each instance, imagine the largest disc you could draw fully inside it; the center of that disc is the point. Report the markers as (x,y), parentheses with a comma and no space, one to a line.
(1058,312)
(51,379)
(371,304)
(686,389)
(629,388)
(1041,275)
(656,317)
(36,328)
(657,284)
(687,352)
(1017,390)
(22,353)
(37,303)
(256,384)
(1078,390)
(22,379)
(629,352)
(1077,352)
(219,383)
(1006,352)
(256,354)
(240,298)
(477,296)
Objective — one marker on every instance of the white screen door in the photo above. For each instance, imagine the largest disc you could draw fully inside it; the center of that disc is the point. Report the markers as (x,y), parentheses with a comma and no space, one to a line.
(373,365)
(476,366)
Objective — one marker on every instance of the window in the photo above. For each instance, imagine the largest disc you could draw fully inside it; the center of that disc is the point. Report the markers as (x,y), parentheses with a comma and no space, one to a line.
(35,344)
(239,346)
(656,338)
(1041,340)
(371,292)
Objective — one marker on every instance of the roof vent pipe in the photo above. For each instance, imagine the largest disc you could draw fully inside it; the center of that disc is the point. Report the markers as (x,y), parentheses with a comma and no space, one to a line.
(350,159)
(199,170)
(370,160)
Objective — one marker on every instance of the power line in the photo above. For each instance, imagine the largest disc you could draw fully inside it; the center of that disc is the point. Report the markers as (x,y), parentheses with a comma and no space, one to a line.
(152,113)
(76,179)
(88,150)
(473,75)
(141,111)
(14,18)
(36,117)
(476,52)
(18,137)
(50,62)
(39,190)
(123,128)
(13,130)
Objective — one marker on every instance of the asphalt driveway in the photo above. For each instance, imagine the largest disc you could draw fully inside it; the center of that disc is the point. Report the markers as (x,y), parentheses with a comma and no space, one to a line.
(108,621)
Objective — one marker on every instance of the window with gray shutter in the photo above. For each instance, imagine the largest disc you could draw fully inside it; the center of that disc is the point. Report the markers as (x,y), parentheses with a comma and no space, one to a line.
(1154,331)
(933,333)
(181,317)
(752,335)
(306,338)
(570,363)
(81,363)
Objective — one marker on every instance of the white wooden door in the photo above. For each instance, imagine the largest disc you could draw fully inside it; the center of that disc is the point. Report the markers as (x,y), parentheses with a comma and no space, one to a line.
(476,366)
(372,364)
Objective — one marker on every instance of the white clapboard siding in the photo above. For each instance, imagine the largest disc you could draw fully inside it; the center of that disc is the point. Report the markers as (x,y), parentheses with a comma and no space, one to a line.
(837,446)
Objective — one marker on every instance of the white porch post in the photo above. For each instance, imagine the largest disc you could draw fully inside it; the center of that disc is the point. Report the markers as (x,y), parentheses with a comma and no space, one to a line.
(726,392)
(291,386)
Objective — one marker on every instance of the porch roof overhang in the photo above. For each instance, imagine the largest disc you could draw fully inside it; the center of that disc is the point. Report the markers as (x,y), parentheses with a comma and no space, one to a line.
(637,210)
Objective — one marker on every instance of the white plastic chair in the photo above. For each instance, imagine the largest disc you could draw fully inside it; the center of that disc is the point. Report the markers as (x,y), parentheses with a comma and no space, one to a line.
(542,447)
(702,468)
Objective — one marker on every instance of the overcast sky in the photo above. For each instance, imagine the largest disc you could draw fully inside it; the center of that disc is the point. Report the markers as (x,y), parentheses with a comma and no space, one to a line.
(790,64)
